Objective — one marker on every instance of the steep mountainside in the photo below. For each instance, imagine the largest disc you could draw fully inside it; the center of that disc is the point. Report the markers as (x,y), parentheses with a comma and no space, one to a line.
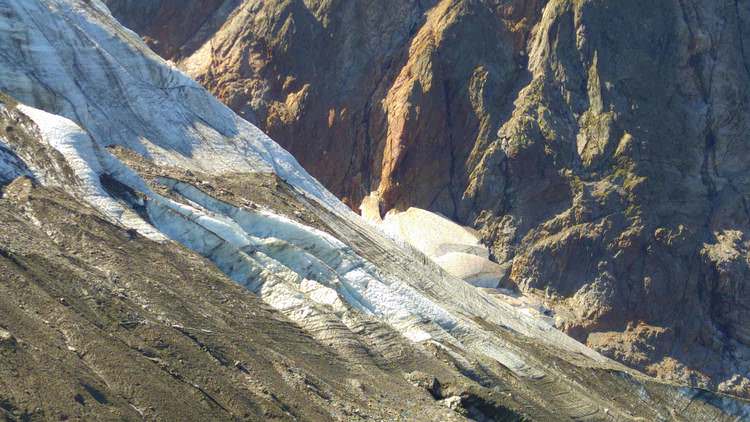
(600,147)
(163,259)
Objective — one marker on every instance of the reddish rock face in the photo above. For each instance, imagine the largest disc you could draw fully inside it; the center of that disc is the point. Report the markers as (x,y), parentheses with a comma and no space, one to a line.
(601,151)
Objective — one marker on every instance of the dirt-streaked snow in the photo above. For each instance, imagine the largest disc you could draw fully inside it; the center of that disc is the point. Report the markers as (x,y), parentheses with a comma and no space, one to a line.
(99,86)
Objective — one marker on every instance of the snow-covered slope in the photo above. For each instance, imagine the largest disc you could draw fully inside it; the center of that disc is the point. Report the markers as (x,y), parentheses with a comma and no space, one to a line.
(106,88)
(73,59)
(86,84)
(297,269)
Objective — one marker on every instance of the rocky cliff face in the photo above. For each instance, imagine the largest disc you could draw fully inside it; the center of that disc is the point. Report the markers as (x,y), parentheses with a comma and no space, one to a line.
(600,148)
(624,187)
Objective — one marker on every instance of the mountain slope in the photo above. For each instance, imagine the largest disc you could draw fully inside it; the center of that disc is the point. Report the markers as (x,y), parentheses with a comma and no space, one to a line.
(163,259)
(599,150)
(100,322)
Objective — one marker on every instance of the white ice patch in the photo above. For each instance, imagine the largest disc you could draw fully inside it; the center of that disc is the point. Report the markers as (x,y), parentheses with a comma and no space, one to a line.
(474,269)
(455,248)
(417,335)
(76,61)
(293,267)
(432,234)
(311,253)
(322,294)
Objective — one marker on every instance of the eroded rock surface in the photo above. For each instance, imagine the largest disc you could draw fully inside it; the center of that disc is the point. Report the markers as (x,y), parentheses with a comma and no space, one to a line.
(600,148)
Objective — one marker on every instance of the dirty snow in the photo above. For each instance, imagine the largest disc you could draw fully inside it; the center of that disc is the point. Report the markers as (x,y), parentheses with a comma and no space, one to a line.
(99,85)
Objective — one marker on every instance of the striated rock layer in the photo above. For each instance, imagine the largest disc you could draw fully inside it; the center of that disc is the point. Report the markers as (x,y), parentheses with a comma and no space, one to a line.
(601,148)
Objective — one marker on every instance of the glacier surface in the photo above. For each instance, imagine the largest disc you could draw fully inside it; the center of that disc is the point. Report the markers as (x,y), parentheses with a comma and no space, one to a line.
(89,84)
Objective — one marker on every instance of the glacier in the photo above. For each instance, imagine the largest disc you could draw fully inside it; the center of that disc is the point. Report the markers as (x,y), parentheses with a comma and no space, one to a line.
(88,85)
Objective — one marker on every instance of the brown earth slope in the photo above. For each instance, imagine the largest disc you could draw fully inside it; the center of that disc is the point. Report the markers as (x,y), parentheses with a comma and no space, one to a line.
(600,146)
